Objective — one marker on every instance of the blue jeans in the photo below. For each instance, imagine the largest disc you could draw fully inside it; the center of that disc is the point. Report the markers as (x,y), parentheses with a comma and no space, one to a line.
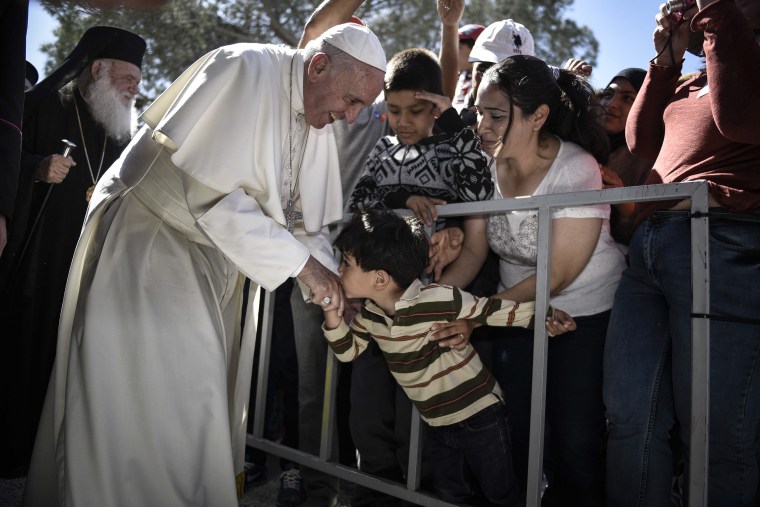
(472,459)
(575,426)
(647,363)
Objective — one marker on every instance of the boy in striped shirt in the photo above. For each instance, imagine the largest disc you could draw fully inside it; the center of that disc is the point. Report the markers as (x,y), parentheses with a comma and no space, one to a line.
(383,257)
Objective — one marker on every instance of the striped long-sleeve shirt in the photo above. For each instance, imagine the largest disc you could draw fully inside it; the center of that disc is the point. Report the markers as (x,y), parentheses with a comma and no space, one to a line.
(446,385)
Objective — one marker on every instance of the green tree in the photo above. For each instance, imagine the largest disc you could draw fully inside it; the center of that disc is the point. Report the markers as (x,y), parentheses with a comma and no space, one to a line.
(185,29)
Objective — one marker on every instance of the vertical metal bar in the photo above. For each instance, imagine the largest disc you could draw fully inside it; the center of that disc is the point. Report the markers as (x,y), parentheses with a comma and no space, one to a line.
(700,351)
(326,447)
(540,354)
(262,296)
(415,452)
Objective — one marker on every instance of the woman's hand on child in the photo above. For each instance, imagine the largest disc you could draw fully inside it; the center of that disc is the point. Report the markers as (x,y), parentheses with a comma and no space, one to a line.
(424,208)
(445,247)
(559,322)
(452,334)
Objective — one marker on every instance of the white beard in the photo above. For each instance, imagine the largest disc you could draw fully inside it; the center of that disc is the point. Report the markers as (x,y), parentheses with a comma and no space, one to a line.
(107,107)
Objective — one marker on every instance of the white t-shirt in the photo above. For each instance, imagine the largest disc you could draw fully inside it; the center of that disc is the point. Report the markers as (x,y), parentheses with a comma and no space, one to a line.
(513,236)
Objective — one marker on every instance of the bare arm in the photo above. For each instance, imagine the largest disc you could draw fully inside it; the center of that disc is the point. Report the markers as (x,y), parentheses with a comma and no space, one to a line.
(450,13)
(573,243)
(445,247)
(463,270)
(328,14)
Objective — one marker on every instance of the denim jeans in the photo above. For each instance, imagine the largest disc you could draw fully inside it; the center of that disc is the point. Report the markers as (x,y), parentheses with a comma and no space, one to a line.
(575,427)
(647,363)
(472,461)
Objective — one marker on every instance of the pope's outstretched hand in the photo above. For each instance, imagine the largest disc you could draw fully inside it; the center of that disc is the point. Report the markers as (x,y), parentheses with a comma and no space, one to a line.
(324,285)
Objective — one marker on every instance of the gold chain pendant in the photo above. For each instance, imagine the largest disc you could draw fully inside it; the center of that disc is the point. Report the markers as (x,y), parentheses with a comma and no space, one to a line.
(88,194)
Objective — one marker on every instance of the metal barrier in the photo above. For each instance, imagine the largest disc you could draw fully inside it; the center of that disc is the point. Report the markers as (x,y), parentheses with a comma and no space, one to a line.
(545,204)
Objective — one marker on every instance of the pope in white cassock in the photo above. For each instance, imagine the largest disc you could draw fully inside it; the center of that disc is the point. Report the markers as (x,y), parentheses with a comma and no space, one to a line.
(234,175)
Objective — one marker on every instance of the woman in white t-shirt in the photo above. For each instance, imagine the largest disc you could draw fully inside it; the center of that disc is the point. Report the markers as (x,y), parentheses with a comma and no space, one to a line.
(539,124)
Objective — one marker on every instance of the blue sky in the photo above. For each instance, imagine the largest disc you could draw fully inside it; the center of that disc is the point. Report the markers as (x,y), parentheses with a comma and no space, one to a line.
(623,29)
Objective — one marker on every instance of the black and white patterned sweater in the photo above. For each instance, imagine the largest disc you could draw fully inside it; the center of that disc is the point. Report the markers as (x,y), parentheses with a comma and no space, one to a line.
(449,166)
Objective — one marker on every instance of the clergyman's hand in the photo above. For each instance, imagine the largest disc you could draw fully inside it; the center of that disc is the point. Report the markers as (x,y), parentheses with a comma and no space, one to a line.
(324,286)
(54,169)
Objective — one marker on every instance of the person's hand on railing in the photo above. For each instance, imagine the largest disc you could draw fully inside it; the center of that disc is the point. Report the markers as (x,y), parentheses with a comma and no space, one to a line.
(454,334)
(445,247)
(610,179)
(559,322)
(424,208)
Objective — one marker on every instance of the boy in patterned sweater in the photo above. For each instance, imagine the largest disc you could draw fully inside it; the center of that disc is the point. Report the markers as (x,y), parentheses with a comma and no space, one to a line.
(415,169)
(383,257)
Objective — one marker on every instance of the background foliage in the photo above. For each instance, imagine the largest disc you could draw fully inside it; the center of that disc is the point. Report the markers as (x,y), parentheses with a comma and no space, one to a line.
(186,29)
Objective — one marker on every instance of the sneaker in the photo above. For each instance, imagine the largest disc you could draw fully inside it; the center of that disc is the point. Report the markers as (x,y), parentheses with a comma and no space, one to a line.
(255,475)
(292,492)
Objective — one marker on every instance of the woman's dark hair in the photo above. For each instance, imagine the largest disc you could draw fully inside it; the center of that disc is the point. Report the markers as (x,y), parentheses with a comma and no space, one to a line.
(384,240)
(528,82)
(414,69)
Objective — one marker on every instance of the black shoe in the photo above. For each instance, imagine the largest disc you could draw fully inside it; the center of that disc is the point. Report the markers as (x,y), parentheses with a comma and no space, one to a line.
(292,492)
(255,475)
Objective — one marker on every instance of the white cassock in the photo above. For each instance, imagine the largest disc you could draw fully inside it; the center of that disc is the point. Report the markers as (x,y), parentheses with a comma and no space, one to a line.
(147,401)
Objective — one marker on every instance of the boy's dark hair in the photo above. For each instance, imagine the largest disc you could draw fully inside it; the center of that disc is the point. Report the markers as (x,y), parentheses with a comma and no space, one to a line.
(384,240)
(414,69)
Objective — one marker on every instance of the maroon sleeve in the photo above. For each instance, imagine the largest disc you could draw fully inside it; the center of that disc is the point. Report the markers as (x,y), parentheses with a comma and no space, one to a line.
(733,70)
(645,129)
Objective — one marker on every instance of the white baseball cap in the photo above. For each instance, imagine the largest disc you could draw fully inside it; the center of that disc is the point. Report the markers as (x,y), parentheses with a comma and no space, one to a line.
(358,41)
(500,40)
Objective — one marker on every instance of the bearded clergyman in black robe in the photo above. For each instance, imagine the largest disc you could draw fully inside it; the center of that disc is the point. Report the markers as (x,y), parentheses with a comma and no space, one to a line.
(93,112)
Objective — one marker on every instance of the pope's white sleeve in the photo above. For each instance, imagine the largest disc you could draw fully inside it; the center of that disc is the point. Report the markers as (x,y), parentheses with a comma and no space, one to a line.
(260,247)
(320,247)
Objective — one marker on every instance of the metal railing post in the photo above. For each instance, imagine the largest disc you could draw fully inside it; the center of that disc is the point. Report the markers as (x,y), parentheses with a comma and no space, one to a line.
(262,379)
(544,204)
(700,350)
(326,446)
(540,354)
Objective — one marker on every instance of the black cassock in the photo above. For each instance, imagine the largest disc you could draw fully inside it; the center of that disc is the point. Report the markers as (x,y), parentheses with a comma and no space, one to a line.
(35,265)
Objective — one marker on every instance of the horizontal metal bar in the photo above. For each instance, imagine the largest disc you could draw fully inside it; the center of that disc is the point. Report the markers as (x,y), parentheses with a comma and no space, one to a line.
(663,192)
(671,191)
(347,473)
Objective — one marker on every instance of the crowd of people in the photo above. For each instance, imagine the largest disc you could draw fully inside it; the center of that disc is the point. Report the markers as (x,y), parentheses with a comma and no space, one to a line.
(136,260)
